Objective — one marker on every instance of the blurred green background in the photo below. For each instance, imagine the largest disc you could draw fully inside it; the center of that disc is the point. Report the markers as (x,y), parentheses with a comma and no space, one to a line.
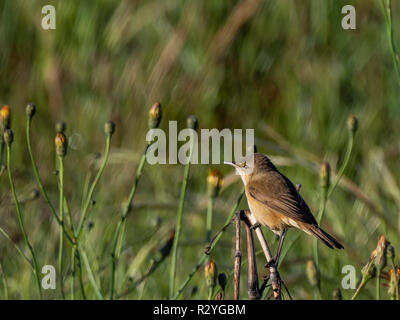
(285,68)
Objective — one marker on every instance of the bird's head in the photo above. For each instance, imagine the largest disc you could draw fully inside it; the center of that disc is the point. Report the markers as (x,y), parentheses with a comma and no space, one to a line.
(251,165)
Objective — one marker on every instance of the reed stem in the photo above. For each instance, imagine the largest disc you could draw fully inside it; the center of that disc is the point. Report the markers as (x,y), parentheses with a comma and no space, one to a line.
(205,256)
(21,222)
(179,223)
(61,217)
(93,187)
(120,230)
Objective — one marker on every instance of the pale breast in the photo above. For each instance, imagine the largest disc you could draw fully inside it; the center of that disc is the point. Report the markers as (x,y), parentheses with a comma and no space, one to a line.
(266,216)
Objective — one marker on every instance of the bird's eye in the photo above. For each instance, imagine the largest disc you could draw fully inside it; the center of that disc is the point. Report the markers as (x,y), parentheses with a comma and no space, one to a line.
(243,164)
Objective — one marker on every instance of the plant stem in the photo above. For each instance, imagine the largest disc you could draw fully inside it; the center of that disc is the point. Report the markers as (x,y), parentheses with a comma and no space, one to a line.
(378,284)
(344,166)
(179,224)
(120,230)
(209,218)
(205,256)
(3,276)
(324,198)
(2,231)
(61,217)
(21,222)
(361,285)
(39,180)
(93,187)
(387,12)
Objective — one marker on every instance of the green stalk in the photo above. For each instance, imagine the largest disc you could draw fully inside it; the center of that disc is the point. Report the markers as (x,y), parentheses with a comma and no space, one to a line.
(3,276)
(387,12)
(361,285)
(61,217)
(21,222)
(179,224)
(205,256)
(90,274)
(120,230)
(344,166)
(210,206)
(39,180)
(378,284)
(324,198)
(74,255)
(93,187)
(5,234)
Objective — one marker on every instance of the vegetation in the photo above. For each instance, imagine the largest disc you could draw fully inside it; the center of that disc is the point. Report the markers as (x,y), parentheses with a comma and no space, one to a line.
(115,226)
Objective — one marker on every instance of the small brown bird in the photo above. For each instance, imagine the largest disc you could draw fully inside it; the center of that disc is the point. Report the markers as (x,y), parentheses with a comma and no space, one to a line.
(275,202)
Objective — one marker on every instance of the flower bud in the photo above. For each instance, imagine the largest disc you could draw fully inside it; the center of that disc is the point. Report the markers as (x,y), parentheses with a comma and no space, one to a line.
(325,175)
(61,144)
(30,110)
(8,137)
(380,255)
(5,118)
(192,122)
(155,115)
(61,127)
(214,182)
(313,273)
(337,294)
(109,127)
(210,272)
(352,123)
(368,271)
(222,280)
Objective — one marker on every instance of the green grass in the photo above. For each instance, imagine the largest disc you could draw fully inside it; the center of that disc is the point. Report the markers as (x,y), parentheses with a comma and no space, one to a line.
(288,70)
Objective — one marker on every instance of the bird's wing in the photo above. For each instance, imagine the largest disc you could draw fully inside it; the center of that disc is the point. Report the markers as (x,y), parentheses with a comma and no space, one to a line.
(279,194)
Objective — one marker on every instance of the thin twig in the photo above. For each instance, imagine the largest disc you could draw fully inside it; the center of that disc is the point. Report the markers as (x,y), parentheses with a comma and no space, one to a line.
(238,259)
(252,279)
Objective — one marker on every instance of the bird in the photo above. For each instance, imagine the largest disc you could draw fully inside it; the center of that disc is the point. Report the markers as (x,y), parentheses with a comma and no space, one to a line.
(275,202)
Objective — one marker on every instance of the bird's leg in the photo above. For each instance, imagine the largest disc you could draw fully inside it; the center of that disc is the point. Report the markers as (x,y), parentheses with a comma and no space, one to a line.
(275,260)
(255,226)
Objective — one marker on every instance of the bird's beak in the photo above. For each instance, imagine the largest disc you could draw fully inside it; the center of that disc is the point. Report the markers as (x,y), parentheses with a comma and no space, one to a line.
(233,164)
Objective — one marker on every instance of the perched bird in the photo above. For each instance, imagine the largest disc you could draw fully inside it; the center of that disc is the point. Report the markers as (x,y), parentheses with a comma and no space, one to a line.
(275,202)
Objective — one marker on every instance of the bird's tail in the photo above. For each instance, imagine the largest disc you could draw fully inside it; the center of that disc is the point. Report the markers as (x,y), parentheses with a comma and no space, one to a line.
(325,237)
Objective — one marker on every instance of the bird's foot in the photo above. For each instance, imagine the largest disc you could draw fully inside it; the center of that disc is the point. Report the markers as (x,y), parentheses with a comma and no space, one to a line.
(271,263)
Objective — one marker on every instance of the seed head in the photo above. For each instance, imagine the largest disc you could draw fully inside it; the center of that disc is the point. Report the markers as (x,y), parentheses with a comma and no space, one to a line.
(8,137)
(30,110)
(313,273)
(210,272)
(5,118)
(192,122)
(61,127)
(109,128)
(155,115)
(214,182)
(352,123)
(325,175)
(380,253)
(61,144)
